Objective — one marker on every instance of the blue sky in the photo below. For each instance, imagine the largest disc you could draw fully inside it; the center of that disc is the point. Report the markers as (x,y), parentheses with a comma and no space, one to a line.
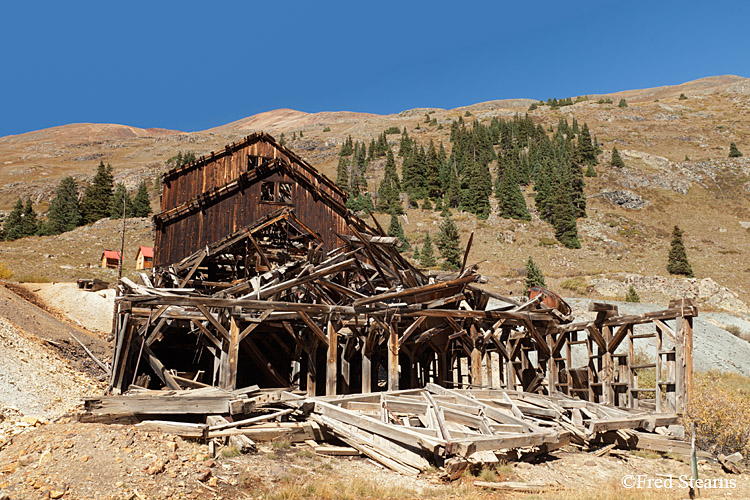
(194,65)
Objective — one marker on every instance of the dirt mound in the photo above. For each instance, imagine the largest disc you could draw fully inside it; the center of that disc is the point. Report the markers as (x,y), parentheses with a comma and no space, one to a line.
(34,381)
(90,310)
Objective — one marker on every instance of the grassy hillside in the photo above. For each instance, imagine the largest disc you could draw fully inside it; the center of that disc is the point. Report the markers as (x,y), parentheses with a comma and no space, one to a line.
(675,150)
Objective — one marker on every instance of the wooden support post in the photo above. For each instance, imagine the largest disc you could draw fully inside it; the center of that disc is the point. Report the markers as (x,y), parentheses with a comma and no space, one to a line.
(476,367)
(312,359)
(392,358)
(659,342)
(488,366)
(229,381)
(607,388)
(687,331)
(366,370)
(331,364)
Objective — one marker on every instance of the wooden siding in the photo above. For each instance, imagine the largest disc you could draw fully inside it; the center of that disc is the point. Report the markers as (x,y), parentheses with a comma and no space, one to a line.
(315,199)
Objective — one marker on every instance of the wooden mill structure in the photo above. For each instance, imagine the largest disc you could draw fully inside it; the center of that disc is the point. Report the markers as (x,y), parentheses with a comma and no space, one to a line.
(262,276)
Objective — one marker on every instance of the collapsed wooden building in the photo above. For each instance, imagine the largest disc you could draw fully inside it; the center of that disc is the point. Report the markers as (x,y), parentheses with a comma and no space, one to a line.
(262,276)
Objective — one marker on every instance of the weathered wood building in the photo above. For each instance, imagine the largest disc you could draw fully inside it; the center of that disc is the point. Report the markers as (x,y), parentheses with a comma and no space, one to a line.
(263,277)
(219,194)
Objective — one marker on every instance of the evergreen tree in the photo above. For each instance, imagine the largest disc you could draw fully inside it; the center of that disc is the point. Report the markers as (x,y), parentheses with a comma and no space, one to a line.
(342,175)
(64,213)
(141,204)
(12,226)
(427,257)
(632,295)
(564,220)
(534,276)
(397,231)
(282,139)
(362,203)
(616,158)
(511,203)
(678,261)
(733,151)
(120,198)
(416,255)
(590,171)
(586,150)
(447,243)
(390,187)
(97,198)
(623,103)
(29,223)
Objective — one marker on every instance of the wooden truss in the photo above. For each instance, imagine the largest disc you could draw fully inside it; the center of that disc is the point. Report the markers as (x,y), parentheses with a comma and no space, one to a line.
(265,305)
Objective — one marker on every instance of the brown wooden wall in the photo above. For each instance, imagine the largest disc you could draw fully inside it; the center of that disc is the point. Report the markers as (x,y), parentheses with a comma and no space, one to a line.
(179,237)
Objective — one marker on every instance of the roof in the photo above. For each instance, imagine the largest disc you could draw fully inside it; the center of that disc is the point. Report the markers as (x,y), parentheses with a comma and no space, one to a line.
(257,136)
(147,252)
(111,254)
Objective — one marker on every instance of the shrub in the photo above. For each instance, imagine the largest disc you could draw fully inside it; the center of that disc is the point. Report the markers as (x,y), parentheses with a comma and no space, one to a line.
(230,452)
(392,130)
(577,284)
(5,273)
(632,295)
(683,97)
(720,410)
(533,106)
(733,151)
(623,103)
(327,129)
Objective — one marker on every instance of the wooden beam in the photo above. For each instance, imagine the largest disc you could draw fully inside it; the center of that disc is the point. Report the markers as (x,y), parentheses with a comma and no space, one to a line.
(159,369)
(314,327)
(331,362)
(392,358)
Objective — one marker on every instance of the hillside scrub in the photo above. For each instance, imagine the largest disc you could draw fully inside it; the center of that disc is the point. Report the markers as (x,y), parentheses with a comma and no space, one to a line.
(720,410)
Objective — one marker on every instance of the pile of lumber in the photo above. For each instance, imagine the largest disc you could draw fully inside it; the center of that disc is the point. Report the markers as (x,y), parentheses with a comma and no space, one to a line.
(408,431)
(411,430)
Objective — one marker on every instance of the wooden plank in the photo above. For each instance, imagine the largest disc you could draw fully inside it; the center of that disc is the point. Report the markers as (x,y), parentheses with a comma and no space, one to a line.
(314,327)
(392,358)
(337,451)
(331,361)
(183,429)
(159,369)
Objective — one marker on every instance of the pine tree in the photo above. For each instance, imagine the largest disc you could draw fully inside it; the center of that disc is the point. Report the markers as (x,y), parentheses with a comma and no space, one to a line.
(632,295)
(510,200)
(678,261)
(141,203)
(64,213)
(120,198)
(623,103)
(590,171)
(390,187)
(342,175)
(564,219)
(12,226)
(586,150)
(415,255)
(427,257)
(447,243)
(616,158)
(733,151)
(534,276)
(29,223)
(97,199)
(397,231)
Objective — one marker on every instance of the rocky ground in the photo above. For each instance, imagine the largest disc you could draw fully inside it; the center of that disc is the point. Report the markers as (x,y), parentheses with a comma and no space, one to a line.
(46,453)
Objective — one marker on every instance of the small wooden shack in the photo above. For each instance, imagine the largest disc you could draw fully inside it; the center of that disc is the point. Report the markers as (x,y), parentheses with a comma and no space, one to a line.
(145,258)
(110,259)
